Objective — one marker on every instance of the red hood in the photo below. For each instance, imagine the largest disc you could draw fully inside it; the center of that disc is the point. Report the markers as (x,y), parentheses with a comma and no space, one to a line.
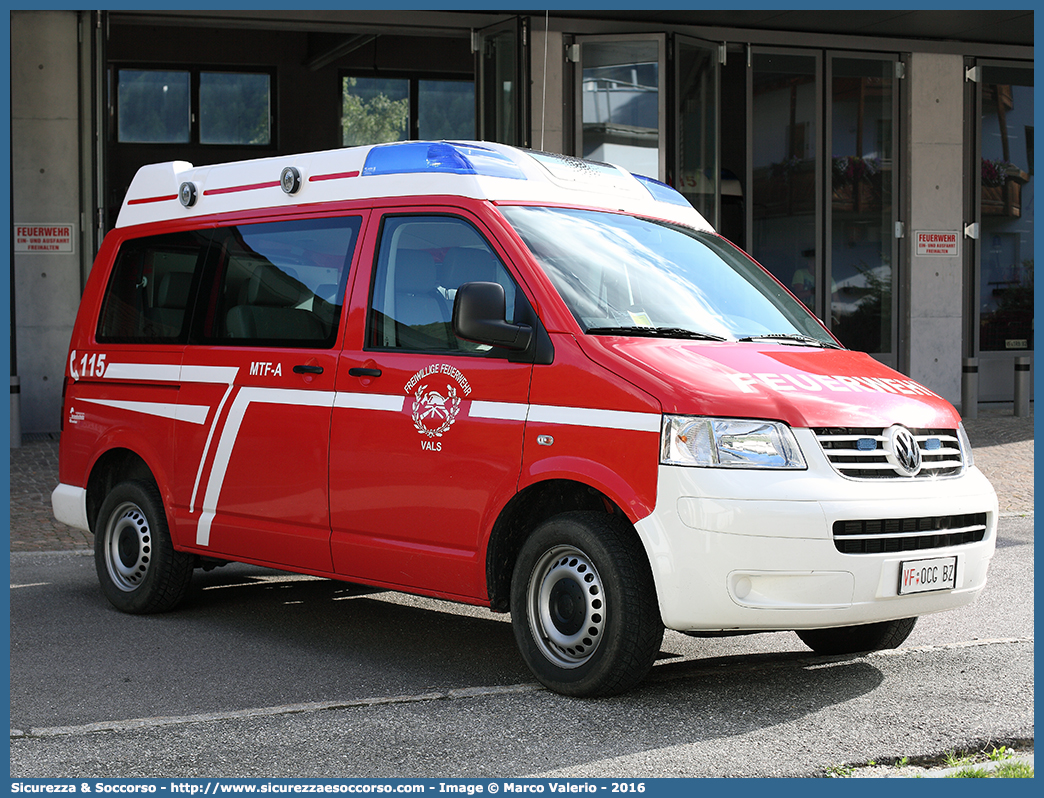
(805,387)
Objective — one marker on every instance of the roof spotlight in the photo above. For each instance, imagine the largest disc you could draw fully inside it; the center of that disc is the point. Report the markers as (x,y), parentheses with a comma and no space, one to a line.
(290,180)
(187,194)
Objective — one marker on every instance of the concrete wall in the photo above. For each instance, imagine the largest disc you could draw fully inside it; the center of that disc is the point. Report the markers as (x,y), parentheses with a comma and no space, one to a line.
(46,189)
(936,160)
(547,106)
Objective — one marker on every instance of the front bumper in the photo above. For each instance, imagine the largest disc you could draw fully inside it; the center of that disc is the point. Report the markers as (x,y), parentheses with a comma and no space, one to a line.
(751,550)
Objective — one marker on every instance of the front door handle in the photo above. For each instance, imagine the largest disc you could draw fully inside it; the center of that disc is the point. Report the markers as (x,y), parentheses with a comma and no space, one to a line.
(358,371)
(303,369)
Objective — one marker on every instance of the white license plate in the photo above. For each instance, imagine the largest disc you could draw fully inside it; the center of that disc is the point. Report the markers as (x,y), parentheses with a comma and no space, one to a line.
(923,576)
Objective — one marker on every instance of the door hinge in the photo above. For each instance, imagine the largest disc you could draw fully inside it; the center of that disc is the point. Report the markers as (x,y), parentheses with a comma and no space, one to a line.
(900,229)
(900,69)
(474,41)
(572,53)
(974,74)
(525,34)
(723,53)
(972,231)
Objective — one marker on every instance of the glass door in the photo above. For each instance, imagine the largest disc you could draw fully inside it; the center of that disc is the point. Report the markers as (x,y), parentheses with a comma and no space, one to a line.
(1003,254)
(622,104)
(697,81)
(862,249)
(784,170)
(502,76)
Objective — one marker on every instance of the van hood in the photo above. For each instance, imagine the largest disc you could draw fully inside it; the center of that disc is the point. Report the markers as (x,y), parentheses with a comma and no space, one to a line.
(803,386)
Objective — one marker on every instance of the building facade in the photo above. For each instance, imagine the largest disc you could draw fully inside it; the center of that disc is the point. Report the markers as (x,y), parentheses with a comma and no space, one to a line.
(880,164)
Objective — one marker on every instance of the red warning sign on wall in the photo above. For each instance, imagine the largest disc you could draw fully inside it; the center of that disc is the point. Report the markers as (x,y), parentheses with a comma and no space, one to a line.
(938,242)
(44,237)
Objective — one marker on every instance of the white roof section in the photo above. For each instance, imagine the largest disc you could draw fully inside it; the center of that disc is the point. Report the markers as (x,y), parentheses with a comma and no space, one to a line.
(479,170)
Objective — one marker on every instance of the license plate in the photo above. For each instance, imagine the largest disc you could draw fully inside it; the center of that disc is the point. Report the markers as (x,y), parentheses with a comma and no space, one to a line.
(923,576)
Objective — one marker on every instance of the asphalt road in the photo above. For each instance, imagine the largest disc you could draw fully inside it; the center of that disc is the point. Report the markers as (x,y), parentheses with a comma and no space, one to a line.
(265,674)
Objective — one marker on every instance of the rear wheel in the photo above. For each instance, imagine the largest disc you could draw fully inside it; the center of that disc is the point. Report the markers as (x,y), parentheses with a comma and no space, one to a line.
(853,639)
(138,568)
(583,605)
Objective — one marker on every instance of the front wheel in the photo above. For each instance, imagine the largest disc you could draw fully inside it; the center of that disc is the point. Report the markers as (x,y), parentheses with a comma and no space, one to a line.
(854,639)
(138,568)
(583,605)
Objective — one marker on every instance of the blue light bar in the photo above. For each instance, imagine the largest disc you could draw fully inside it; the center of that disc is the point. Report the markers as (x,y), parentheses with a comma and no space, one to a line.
(661,192)
(411,157)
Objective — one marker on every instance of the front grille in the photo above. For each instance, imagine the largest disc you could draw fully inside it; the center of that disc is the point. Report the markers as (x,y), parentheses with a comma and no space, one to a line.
(887,535)
(863,452)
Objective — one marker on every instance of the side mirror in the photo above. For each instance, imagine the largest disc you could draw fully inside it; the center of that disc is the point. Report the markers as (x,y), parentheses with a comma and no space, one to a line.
(479,315)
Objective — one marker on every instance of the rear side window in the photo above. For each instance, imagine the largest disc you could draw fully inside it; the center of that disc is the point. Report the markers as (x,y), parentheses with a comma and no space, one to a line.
(150,290)
(278,283)
(271,284)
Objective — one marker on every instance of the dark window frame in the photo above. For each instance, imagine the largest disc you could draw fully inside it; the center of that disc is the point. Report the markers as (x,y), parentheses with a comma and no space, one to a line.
(413,80)
(194,71)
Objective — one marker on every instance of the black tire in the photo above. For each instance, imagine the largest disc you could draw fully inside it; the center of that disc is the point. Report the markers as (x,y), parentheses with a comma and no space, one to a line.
(854,639)
(138,568)
(583,605)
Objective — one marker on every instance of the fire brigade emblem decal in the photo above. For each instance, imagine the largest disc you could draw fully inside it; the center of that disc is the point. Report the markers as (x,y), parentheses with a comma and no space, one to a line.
(436,400)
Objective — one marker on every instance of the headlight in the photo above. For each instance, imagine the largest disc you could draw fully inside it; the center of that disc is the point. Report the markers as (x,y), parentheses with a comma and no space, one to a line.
(966,447)
(728,443)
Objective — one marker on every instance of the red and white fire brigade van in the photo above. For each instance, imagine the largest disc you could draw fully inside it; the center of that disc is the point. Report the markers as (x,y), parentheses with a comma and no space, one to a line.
(506,378)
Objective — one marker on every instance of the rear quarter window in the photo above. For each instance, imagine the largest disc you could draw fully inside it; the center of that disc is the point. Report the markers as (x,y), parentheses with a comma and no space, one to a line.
(150,290)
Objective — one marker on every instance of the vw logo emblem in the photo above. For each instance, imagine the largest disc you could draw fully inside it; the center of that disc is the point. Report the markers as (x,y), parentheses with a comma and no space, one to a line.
(903,453)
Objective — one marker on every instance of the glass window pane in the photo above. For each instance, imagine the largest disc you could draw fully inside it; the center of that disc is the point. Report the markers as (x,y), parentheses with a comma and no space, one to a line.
(446,109)
(615,271)
(281,283)
(374,110)
(234,108)
(697,89)
(148,298)
(500,86)
(152,106)
(620,95)
(783,195)
(422,262)
(861,204)
(1006,239)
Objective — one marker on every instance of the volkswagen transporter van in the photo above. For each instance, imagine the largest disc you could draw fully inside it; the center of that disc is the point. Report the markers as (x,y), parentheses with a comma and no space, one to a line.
(506,378)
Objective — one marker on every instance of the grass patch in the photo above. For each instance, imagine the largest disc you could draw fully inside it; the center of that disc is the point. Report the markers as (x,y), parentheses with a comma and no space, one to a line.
(1007,770)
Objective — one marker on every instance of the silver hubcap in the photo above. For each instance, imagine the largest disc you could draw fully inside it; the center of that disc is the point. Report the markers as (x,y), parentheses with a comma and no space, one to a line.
(566,606)
(128,546)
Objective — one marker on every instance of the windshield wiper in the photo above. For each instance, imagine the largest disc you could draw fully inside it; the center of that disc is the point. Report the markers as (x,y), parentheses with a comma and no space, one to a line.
(792,339)
(656,332)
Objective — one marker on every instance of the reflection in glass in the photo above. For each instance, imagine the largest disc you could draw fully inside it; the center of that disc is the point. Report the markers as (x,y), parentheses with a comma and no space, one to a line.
(861,204)
(783,151)
(152,106)
(698,170)
(620,96)
(1006,238)
(374,110)
(234,108)
(638,277)
(446,109)
(500,87)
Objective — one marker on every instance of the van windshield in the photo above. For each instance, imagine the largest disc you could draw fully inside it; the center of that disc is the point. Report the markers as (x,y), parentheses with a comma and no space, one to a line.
(624,275)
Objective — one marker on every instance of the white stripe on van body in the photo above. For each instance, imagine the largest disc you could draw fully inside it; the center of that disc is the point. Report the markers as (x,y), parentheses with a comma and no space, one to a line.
(194,414)
(230,432)
(392,403)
